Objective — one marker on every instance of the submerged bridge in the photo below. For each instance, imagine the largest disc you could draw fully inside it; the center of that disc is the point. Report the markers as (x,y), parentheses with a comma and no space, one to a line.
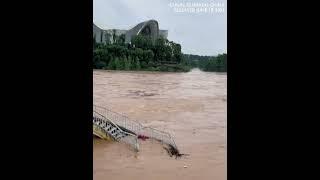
(114,126)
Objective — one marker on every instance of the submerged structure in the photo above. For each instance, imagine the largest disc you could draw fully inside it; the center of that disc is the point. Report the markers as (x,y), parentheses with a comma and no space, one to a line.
(148,28)
(110,125)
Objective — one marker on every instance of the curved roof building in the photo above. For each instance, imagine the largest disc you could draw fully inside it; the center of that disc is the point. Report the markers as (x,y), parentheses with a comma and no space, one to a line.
(149,28)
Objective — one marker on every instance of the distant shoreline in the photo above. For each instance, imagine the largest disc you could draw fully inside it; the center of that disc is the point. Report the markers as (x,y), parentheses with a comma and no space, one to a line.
(152,72)
(143,71)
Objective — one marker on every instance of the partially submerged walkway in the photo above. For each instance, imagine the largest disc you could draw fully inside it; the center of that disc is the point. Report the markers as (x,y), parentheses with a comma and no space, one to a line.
(111,125)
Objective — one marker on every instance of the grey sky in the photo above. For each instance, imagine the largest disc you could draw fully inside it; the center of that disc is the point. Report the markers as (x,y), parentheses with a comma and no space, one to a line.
(202,34)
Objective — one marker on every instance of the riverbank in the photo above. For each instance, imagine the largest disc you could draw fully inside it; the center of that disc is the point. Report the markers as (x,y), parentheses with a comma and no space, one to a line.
(160,68)
(140,71)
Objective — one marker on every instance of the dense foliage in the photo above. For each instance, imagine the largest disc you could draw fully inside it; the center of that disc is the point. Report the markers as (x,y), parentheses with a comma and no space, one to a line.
(141,54)
(207,63)
(144,54)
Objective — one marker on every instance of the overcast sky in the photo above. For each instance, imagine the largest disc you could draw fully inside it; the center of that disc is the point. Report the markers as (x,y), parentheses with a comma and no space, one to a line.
(202,34)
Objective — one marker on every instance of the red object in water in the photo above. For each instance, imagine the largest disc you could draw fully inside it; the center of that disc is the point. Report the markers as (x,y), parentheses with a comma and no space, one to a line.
(143,137)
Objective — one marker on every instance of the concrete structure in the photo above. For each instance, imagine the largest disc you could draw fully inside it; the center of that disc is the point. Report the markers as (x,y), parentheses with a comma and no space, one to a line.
(149,28)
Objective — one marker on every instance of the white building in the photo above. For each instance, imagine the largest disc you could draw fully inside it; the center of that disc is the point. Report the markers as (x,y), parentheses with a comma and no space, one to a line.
(150,28)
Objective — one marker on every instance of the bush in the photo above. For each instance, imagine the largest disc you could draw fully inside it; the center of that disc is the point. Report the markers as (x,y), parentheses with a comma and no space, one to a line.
(118,64)
(127,64)
(144,65)
(170,69)
(153,69)
(111,65)
(138,66)
(100,64)
(163,68)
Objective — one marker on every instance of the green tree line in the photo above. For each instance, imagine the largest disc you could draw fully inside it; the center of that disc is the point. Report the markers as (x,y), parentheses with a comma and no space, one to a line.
(207,63)
(141,54)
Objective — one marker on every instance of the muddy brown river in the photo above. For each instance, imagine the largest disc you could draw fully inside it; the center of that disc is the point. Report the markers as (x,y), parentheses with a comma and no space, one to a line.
(190,106)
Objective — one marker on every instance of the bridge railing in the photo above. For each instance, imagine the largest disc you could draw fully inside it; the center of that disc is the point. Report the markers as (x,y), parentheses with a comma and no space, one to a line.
(162,136)
(130,139)
(119,119)
(135,126)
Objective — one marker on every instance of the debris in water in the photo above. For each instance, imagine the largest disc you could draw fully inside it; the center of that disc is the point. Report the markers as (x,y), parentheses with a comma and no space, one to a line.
(143,137)
(172,151)
(185,166)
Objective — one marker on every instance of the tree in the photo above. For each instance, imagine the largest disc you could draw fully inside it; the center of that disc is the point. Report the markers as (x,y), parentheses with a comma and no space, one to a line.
(127,63)
(167,53)
(223,62)
(148,56)
(143,65)
(111,64)
(148,44)
(176,49)
(114,36)
(130,63)
(160,50)
(138,67)
(100,55)
(136,41)
(142,41)
(122,39)
(139,53)
(118,65)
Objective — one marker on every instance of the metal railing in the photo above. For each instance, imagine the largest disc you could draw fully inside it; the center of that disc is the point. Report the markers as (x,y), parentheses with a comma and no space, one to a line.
(161,136)
(130,138)
(135,126)
(119,119)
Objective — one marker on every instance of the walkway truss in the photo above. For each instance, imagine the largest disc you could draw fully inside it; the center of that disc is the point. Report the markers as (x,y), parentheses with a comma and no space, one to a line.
(111,125)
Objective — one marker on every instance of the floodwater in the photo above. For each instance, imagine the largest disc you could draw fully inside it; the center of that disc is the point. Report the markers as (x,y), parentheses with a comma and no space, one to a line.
(190,106)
